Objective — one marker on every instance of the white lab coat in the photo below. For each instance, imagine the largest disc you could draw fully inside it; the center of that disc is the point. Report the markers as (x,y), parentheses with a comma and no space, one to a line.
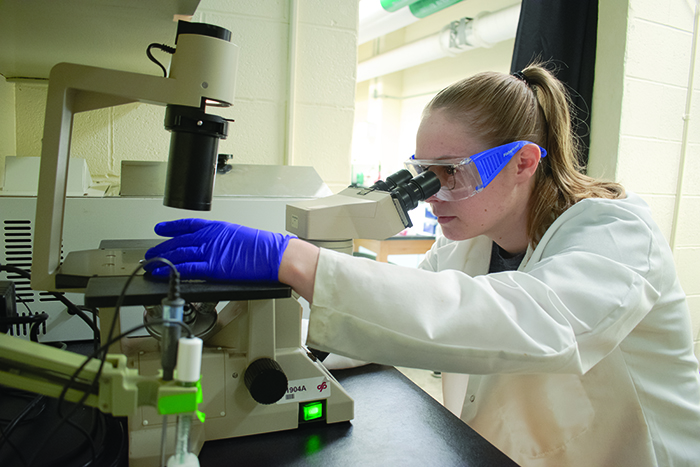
(582,357)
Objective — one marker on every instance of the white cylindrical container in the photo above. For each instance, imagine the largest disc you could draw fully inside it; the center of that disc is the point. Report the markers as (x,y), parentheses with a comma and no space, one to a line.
(189,359)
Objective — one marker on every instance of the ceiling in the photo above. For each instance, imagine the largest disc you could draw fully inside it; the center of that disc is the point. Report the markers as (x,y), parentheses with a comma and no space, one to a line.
(37,34)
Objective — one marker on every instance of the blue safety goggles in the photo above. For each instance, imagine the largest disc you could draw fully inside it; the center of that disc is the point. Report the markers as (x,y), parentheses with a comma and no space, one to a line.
(463,178)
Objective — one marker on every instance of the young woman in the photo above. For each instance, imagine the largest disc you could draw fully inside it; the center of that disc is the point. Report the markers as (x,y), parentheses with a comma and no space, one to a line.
(556,292)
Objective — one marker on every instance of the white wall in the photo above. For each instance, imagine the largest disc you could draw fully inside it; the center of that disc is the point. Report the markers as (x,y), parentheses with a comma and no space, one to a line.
(638,132)
(322,82)
(390,105)
(319,74)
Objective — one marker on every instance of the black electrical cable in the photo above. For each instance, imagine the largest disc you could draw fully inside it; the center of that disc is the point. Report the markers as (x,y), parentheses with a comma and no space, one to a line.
(72,308)
(123,444)
(8,392)
(39,320)
(107,433)
(34,330)
(11,323)
(95,329)
(164,48)
(91,438)
(35,320)
(102,351)
(20,418)
(24,302)
(66,418)
(104,348)
(20,456)
(98,436)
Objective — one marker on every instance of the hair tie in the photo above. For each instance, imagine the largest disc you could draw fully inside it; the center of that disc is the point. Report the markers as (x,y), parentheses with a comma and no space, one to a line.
(521,77)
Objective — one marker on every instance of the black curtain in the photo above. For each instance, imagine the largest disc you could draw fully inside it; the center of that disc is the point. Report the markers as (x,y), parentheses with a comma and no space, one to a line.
(563,32)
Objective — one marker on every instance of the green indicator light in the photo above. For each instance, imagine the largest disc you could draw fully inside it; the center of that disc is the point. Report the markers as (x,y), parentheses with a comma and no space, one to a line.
(312,411)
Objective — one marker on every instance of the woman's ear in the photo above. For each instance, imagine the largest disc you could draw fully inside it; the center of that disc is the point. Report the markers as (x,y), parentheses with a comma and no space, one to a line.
(527,160)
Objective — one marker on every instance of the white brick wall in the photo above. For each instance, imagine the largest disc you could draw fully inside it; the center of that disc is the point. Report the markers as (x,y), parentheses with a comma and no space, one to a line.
(323,82)
(324,89)
(640,95)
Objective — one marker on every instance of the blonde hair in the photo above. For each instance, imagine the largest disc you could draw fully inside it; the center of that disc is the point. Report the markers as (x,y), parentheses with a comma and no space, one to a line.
(534,106)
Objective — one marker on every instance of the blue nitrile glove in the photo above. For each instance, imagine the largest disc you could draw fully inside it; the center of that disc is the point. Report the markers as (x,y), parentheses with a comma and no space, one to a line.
(203,249)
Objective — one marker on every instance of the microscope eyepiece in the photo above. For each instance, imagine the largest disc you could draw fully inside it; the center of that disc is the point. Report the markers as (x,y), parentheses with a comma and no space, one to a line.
(399,178)
(407,192)
(417,189)
(393,180)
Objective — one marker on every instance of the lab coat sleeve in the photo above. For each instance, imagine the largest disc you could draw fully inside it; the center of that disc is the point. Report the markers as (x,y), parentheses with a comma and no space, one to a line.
(590,286)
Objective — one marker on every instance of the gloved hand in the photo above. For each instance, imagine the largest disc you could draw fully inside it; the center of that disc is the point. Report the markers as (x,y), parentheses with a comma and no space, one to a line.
(203,249)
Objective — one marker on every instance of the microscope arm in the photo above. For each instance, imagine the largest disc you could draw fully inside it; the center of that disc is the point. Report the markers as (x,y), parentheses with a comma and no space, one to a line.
(202,71)
(46,370)
(73,89)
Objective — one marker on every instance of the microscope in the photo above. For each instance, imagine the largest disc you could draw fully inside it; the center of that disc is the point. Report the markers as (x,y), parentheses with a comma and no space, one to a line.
(256,377)
(256,374)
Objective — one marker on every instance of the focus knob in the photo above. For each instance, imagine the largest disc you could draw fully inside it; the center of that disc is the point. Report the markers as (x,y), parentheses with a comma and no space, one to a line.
(265,381)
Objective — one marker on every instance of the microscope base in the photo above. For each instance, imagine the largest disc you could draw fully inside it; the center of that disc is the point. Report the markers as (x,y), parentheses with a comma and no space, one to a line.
(228,405)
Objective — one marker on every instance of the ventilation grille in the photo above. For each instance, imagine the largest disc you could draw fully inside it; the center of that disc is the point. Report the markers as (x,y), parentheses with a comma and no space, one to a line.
(18,253)
(17,242)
